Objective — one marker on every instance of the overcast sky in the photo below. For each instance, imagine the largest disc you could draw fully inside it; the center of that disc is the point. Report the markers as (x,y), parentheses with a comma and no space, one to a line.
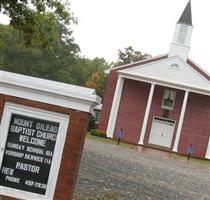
(104,26)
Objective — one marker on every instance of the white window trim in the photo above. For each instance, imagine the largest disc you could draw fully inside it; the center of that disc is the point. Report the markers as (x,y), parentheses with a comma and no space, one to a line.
(174,99)
(62,119)
(207,156)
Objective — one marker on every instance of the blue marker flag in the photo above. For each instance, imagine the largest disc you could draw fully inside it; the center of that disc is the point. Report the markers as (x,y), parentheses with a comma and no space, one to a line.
(120,133)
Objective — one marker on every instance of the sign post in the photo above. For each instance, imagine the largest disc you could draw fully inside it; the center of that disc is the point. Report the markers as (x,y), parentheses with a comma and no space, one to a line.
(120,135)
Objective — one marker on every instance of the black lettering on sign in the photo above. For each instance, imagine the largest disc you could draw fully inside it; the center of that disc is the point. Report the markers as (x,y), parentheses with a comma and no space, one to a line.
(28,153)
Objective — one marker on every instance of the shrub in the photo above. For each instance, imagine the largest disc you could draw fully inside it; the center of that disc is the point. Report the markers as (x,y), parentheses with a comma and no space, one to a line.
(91,123)
(97,132)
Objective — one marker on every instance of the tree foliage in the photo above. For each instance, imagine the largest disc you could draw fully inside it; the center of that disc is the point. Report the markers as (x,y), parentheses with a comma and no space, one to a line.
(38,19)
(54,55)
(36,61)
(129,55)
(60,63)
(98,82)
(97,78)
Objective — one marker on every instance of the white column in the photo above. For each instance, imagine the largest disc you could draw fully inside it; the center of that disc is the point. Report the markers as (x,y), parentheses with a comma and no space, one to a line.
(146,115)
(115,107)
(208,150)
(181,119)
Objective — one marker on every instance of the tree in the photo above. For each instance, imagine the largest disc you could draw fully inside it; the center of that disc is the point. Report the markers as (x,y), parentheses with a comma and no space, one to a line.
(61,63)
(51,63)
(97,81)
(38,19)
(97,78)
(129,55)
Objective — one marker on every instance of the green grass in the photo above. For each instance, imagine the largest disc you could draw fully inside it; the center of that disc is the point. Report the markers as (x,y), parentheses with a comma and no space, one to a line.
(196,160)
(111,141)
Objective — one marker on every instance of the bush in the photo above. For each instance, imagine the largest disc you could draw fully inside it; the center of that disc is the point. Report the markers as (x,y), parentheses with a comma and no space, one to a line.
(91,123)
(97,132)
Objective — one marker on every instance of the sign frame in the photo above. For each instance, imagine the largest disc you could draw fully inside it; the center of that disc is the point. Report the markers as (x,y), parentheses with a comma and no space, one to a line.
(62,119)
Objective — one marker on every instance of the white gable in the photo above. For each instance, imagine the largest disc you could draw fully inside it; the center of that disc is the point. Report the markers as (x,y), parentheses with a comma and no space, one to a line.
(171,71)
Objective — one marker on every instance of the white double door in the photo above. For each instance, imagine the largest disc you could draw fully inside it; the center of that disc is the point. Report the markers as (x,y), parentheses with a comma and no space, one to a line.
(162,132)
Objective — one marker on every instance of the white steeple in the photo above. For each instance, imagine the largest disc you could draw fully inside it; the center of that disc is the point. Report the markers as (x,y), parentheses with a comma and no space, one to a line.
(180,45)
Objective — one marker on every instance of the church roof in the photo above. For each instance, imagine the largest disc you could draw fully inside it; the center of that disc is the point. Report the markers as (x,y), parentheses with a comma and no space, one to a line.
(172,72)
(193,64)
(186,17)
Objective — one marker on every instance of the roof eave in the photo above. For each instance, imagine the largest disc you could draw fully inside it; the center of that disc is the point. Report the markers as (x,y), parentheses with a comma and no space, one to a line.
(153,59)
(166,83)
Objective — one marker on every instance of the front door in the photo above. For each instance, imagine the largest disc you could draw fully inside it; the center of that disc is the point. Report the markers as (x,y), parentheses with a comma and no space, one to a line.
(162,132)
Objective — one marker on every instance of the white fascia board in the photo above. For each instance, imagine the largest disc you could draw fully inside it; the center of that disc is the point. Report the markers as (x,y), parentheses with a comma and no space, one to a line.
(47,91)
(85,105)
(130,64)
(198,66)
(165,60)
(47,85)
(164,83)
(198,74)
(45,88)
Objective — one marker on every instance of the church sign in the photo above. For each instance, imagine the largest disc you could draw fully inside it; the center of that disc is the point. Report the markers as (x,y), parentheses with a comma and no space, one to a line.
(30,152)
(42,133)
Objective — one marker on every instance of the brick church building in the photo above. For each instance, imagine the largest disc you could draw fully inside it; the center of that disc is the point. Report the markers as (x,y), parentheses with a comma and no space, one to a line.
(162,102)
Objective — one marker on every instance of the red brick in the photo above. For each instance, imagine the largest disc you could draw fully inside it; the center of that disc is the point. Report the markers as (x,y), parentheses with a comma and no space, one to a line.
(131,111)
(196,126)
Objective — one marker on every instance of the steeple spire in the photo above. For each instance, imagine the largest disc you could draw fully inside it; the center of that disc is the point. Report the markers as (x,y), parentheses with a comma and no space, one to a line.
(180,45)
(186,17)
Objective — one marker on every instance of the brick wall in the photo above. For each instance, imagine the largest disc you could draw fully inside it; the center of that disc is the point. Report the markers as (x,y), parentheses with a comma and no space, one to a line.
(107,101)
(196,126)
(131,111)
(72,149)
(110,90)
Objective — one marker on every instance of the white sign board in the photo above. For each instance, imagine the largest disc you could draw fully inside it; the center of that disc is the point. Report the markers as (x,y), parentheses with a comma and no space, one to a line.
(31,147)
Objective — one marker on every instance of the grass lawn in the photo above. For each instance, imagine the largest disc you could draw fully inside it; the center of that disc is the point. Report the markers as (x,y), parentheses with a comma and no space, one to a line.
(135,147)
(197,160)
(102,139)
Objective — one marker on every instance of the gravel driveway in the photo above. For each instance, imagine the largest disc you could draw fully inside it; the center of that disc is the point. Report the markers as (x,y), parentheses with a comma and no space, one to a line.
(108,171)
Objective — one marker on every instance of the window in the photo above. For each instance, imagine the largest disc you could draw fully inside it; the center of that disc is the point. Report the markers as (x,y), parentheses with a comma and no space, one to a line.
(168,99)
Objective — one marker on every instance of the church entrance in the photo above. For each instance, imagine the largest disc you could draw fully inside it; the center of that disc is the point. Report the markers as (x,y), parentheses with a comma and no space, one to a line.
(162,132)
